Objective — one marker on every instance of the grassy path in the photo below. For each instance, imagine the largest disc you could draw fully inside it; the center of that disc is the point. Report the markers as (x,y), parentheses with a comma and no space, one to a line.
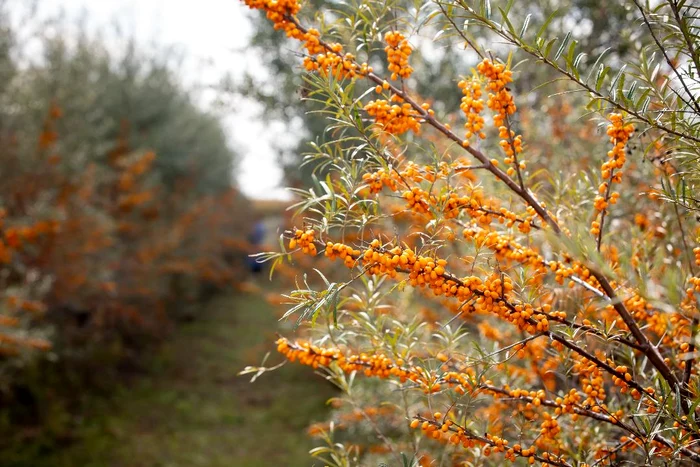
(191,408)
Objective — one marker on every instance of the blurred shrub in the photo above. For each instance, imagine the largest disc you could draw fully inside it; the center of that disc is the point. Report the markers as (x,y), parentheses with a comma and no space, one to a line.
(116,209)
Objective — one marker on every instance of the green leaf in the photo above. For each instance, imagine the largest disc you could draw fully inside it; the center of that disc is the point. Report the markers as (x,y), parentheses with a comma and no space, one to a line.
(570,53)
(525,25)
(548,47)
(563,45)
(614,81)
(621,86)
(509,25)
(334,305)
(600,76)
(598,60)
(509,6)
(642,98)
(544,26)
(487,8)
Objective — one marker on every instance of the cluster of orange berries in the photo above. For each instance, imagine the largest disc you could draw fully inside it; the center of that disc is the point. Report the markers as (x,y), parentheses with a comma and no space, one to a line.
(591,378)
(622,382)
(567,403)
(533,398)
(334,62)
(422,270)
(411,171)
(304,240)
(419,200)
(694,281)
(496,444)
(500,100)
(512,145)
(611,172)
(528,453)
(49,135)
(523,315)
(398,51)
(483,215)
(505,247)
(642,311)
(565,269)
(491,295)
(312,42)
(393,118)
(451,204)
(10,344)
(345,419)
(376,365)
(549,430)
(472,105)
(446,431)
(279,12)
(418,173)
(344,252)
(462,382)
(377,180)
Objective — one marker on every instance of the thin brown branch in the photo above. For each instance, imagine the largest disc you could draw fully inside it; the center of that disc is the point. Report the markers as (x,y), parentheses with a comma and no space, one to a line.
(649,350)
(693,102)
(538,55)
(470,434)
(523,193)
(459,31)
(608,189)
(694,56)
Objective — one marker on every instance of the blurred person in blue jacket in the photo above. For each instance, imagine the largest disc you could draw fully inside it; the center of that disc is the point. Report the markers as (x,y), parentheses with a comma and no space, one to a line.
(256,239)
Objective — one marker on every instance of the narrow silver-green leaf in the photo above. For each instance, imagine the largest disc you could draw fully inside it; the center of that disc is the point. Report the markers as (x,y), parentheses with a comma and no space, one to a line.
(595,65)
(645,105)
(563,45)
(525,25)
(544,26)
(615,79)
(600,76)
(509,25)
(548,47)
(487,8)
(570,53)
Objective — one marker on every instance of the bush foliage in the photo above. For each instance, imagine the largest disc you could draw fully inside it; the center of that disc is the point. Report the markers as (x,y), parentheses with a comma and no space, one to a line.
(116,209)
(508,270)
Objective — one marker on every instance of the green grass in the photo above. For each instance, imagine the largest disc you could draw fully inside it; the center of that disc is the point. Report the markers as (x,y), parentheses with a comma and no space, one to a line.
(192,409)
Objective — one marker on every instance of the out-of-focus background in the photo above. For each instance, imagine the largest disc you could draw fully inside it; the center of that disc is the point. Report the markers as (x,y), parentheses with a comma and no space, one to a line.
(139,170)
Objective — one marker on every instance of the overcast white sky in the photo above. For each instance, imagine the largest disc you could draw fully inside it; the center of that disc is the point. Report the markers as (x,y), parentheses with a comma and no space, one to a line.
(208,33)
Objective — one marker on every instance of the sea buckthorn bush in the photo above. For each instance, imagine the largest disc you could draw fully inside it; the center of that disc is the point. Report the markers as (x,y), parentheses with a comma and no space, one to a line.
(117,213)
(508,279)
